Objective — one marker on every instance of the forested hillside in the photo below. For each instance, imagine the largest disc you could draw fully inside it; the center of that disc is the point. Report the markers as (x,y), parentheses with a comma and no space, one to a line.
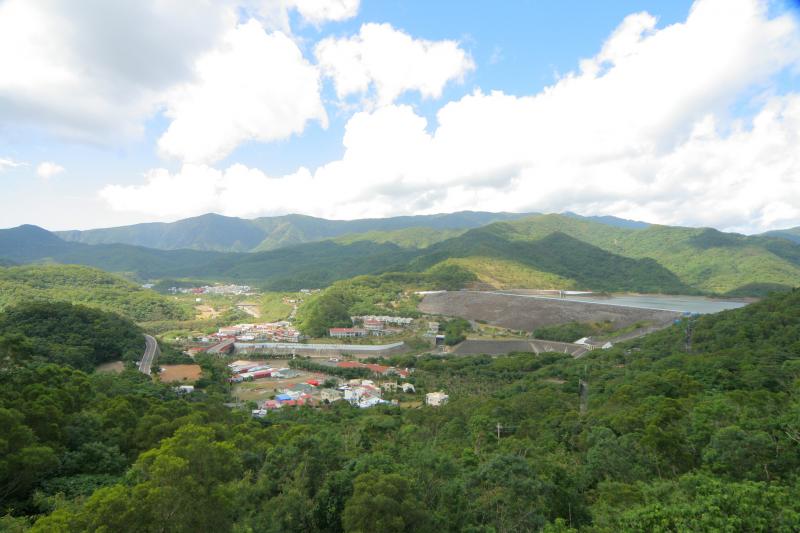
(89,286)
(670,436)
(541,251)
(791,234)
(59,332)
(706,259)
(212,232)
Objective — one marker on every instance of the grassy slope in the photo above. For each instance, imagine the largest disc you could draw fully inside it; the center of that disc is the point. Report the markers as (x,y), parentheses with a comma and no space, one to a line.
(273,308)
(503,273)
(87,286)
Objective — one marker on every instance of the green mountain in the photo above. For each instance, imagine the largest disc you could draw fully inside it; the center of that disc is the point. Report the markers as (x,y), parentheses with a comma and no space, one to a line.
(703,258)
(559,254)
(791,234)
(87,286)
(540,251)
(214,232)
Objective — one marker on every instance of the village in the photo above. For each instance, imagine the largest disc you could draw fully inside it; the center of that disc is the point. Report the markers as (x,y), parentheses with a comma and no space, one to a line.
(271,386)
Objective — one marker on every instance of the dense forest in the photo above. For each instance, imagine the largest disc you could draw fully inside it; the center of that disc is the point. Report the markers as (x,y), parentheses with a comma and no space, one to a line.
(694,428)
(68,334)
(87,286)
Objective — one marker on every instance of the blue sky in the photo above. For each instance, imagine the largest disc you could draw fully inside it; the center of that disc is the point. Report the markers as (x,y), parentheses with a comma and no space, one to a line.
(545,110)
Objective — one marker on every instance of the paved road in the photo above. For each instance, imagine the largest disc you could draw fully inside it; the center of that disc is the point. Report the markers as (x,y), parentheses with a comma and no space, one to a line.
(150,351)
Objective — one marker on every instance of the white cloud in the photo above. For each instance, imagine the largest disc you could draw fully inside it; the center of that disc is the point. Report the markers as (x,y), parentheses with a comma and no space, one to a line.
(48,169)
(320,11)
(392,62)
(98,69)
(197,188)
(643,129)
(257,86)
(274,14)
(6,162)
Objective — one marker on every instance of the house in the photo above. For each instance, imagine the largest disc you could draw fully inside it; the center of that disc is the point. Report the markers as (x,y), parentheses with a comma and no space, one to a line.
(347,333)
(389,386)
(184,389)
(373,325)
(408,387)
(370,401)
(436,399)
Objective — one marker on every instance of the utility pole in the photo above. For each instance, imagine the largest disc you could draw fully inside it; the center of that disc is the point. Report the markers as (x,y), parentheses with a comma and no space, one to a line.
(583,393)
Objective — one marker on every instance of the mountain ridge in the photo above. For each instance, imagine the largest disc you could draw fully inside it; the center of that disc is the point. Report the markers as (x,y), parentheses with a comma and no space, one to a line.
(560,250)
(214,232)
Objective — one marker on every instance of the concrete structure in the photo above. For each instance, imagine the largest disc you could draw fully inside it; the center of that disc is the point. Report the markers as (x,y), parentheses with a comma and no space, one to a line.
(436,399)
(347,333)
(320,350)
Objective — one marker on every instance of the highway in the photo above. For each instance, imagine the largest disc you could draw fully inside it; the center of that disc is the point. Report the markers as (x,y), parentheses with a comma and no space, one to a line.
(150,351)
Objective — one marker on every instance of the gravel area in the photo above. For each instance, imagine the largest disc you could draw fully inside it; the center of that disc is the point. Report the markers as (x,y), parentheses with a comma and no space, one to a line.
(526,314)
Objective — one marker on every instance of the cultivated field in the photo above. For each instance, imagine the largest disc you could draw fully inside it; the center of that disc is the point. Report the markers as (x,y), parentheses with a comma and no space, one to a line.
(527,314)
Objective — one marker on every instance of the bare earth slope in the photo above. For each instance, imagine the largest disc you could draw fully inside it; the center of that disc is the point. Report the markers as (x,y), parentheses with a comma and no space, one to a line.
(527,314)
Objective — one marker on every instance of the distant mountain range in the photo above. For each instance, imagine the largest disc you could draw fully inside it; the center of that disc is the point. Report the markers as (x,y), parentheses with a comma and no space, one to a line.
(212,232)
(502,250)
(791,234)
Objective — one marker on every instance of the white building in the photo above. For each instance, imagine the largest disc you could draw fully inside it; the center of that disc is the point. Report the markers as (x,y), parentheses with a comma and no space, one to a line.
(436,399)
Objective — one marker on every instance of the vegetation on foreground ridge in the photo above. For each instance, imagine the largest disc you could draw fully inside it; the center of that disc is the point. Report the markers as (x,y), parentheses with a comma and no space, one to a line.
(672,436)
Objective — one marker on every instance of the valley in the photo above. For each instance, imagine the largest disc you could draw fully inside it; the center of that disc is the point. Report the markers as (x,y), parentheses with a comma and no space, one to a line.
(543,330)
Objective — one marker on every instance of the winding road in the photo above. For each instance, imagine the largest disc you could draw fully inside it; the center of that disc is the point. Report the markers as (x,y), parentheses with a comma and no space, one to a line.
(150,351)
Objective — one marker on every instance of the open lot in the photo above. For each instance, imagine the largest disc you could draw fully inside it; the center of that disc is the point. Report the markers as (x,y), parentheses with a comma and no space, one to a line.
(502,347)
(526,314)
(262,389)
(180,373)
(114,367)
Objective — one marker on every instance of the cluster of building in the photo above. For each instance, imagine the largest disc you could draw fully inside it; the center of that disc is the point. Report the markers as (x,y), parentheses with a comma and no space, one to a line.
(213,289)
(249,370)
(380,370)
(370,325)
(270,331)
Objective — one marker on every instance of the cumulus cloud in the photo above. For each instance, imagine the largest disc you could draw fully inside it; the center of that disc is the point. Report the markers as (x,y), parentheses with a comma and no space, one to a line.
(99,70)
(643,129)
(257,86)
(391,62)
(48,169)
(90,71)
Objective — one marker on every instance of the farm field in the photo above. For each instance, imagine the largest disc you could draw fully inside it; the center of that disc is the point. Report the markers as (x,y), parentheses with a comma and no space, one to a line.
(523,313)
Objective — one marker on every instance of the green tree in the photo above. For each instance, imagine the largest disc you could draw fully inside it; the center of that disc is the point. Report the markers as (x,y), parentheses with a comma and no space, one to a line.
(384,503)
